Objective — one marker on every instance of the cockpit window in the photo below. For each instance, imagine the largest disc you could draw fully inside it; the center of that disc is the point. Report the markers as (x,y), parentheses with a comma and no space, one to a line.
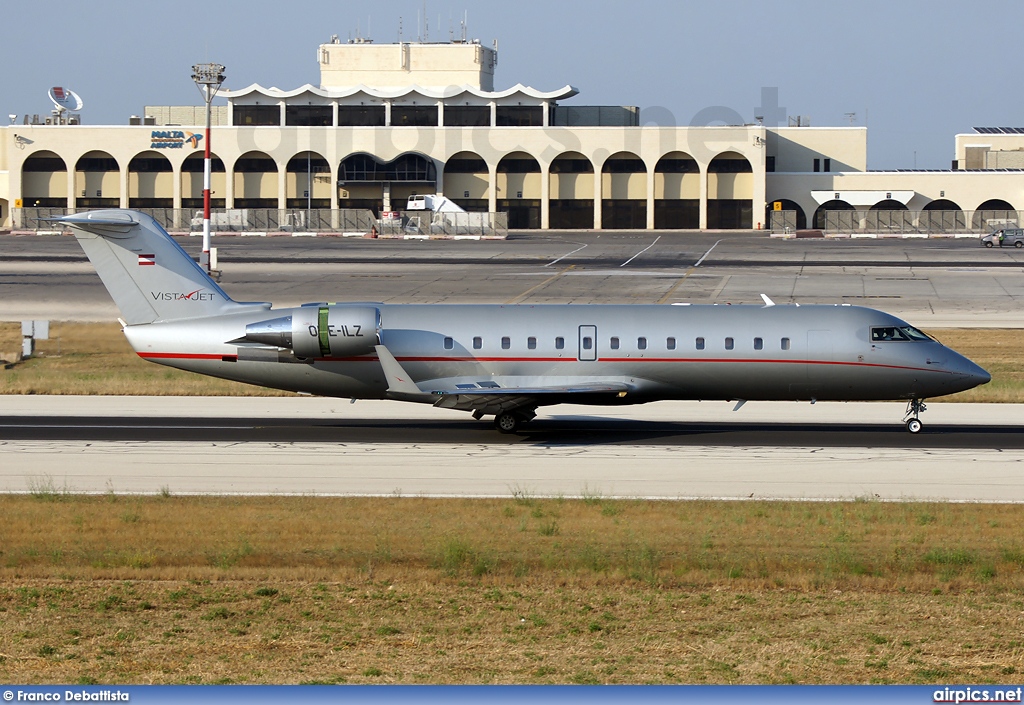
(897,333)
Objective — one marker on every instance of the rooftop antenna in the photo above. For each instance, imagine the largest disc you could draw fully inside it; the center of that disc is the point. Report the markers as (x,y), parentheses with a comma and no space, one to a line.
(465,22)
(426,24)
(369,34)
(851,117)
(399,29)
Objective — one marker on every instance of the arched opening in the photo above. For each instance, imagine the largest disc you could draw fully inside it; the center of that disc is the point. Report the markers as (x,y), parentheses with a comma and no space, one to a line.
(889,215)
(993,214)
(97,181)
(942,204)
(519,190)
(366,182)
(193,171)
(255,180)
(150,181)
(730,192)
(677,192)
(44,181)
(942,216)
(624,192)
(788,214)
(308,182)
(467,181)
(571,187)
(834,215)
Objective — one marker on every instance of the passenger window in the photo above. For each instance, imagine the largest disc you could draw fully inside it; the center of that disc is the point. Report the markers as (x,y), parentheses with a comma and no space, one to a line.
(614,343)
(785,343)
(478,343)
(559,343)
(449,343)
(588,343)
(531,343)
(641,343)
(506,343)
(700,343)
(728,344)
(758,344)
(670,343)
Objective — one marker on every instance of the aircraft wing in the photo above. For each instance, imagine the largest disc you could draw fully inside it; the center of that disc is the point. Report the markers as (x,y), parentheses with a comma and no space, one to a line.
(487,395)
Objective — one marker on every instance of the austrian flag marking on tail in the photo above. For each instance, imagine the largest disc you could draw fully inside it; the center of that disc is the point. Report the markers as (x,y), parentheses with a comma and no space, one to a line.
(147,260)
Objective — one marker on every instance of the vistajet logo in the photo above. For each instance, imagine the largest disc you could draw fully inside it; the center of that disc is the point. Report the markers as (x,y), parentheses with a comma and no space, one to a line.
(197,295)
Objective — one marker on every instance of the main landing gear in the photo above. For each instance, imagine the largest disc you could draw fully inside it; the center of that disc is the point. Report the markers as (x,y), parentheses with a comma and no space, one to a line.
(914,409)
(510,421)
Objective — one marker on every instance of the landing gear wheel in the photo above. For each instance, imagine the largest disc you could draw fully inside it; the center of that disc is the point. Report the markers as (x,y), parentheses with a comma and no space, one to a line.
(506,422)
(914,409)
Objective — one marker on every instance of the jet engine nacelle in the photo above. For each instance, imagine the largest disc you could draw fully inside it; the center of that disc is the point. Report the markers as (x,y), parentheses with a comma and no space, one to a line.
(321,331)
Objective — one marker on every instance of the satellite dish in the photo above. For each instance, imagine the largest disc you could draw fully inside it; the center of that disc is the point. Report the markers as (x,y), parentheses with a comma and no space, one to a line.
(65,99)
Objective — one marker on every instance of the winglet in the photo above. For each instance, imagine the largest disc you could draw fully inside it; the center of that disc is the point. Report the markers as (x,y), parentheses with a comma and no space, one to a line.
(767,302)
(399,381)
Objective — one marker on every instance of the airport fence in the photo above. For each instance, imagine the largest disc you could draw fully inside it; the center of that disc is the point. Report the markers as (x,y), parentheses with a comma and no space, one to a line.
(854,222)
(428,223)
(253,221)
(235,220)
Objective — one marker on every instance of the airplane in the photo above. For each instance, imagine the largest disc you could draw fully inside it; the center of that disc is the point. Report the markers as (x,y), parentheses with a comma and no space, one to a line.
(509,360)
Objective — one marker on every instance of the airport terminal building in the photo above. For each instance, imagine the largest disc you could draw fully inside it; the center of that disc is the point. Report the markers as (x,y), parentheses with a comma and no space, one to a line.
(391,120)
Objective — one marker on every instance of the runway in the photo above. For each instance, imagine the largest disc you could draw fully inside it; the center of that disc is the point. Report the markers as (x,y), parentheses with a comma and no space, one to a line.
(666,450)
(932,283)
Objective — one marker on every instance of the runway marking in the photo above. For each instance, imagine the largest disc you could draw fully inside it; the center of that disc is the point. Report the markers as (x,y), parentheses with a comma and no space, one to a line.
(556,261)
(124,426)
(725,281)
(668,294)
(544,283)
(645,250)
(705,255)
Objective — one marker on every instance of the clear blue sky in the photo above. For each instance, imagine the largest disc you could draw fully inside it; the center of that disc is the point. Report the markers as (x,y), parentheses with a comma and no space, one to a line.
(918,71)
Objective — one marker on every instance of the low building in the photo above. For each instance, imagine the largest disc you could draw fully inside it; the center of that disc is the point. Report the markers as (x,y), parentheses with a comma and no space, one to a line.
(390,120)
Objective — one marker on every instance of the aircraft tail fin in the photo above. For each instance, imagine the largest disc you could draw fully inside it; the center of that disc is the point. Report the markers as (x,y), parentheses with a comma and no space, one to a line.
(149,276)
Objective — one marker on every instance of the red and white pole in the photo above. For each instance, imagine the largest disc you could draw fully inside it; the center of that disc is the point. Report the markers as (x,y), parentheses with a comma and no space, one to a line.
(208,78)
(205,258)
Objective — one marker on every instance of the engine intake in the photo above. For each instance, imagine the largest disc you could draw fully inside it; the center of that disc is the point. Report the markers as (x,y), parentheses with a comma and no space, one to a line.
(321,331)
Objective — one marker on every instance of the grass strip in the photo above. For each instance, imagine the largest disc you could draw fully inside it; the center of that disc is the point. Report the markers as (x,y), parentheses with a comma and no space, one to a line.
(169,589)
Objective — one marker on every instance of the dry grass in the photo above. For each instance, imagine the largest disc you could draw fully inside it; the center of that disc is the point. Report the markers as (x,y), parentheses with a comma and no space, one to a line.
(998,350)
(270,589)
(95,358)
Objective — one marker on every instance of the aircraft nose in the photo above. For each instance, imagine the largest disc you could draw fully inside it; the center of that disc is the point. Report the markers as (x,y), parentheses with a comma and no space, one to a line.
(973,374)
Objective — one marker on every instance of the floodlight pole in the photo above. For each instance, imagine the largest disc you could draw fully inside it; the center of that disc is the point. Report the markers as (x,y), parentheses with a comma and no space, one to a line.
(208,78)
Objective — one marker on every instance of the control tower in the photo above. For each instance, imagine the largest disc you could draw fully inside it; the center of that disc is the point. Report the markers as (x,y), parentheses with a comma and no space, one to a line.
(360,62)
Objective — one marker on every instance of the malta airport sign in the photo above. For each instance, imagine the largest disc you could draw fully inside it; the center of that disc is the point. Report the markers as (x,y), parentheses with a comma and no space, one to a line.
(173,139)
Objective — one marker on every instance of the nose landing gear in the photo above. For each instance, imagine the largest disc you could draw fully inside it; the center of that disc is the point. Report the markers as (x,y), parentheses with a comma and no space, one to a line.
(914,409)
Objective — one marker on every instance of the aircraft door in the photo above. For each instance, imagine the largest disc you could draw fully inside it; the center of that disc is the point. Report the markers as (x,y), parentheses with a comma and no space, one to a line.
(587,344)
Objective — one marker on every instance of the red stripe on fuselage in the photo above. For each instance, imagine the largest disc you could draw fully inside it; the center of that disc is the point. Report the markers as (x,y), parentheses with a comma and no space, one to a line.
(657,360)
